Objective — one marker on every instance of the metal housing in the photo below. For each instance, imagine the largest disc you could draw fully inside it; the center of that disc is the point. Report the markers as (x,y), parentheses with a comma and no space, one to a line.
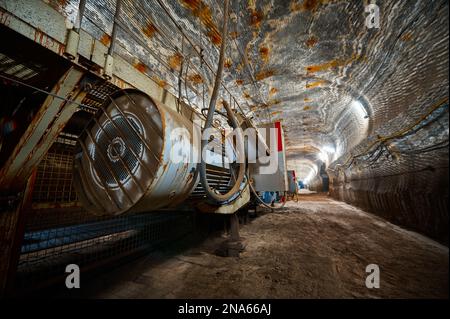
(124,158)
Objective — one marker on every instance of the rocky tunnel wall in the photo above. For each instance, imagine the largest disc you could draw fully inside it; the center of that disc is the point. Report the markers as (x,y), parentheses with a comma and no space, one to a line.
(403,179)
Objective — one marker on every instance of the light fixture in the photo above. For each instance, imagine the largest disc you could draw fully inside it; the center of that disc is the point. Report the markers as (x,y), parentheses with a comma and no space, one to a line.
(309,177)
(329,149)
(323,157)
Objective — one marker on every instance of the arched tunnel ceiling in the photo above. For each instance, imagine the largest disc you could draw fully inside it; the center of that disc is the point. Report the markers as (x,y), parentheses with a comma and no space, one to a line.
(313,59)
(307,63)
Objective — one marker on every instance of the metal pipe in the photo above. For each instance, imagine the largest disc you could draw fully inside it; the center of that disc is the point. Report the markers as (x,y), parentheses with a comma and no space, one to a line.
(217,197)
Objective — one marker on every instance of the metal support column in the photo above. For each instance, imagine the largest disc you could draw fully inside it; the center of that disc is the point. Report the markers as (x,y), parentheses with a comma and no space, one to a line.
(234,244)
(234,227)
(42,131)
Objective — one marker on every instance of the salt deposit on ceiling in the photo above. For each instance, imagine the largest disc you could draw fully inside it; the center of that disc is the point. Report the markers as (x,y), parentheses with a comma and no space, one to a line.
(312,64)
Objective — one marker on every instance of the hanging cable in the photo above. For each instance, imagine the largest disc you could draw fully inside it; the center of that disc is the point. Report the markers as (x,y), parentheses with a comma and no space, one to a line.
(399,134)
(46,92)
(211,193)
(258,198)
(180,75)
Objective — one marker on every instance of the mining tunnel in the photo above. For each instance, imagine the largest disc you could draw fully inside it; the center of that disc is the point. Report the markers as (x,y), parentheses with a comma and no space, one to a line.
(224,149)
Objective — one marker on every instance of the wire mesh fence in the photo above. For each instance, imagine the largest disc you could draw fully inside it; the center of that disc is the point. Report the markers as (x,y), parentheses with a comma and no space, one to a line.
(58,231)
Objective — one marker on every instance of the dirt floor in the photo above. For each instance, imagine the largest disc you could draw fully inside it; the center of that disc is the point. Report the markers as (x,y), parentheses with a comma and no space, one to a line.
(316,248)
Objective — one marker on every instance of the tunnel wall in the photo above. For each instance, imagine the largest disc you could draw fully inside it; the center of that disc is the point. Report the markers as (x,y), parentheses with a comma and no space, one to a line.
(405,181)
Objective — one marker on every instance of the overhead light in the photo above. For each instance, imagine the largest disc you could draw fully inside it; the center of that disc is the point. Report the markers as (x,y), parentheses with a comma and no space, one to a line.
(309,177)
(329,149)
(323,157)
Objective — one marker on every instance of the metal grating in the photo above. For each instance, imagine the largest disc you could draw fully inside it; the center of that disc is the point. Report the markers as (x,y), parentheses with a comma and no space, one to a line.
(54,177)
(123,160)
(45,253)
(97,95)
(16,68)
(58,231)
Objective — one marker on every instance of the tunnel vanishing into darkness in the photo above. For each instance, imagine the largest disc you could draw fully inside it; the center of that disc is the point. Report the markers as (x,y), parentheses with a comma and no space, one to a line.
(357,95)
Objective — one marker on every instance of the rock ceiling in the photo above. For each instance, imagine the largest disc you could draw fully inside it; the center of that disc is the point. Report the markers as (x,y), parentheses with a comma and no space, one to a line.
(313,64)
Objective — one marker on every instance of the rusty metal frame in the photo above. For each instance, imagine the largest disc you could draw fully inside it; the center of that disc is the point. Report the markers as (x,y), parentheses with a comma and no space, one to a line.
(39,22)
(13,238)
(43,130)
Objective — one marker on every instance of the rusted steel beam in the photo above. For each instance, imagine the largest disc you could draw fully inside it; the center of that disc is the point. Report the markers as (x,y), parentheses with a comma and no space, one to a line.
(39,22)
(12,228)
(42,131)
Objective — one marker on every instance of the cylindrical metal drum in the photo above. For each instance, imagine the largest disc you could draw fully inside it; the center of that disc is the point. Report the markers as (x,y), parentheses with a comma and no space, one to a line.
(135,156)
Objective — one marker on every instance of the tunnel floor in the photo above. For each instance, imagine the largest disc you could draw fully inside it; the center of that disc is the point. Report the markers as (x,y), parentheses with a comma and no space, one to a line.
(316,248)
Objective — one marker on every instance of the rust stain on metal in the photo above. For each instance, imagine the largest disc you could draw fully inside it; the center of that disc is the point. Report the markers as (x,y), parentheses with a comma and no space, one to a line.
(195,78)
(256,17)
(203,12)
(269,103)
(193,5)
(120,83)
(234,35)
(105,39)
(331,64)
(5,18)
(264,74)
(161,83)
(295,6)
(315,84)
(239,82)
(63,3)
(175,61)
(273,91)
(31,130)
(41,38)
(310,5)
(407,37)
(150,30)
(312,41)
(141,67)
(247,95)
(307,100)
(228,63)
(306,108)
(306,5)
(273,102)
(253,107)
(215,37)
(323,67)
(264,52)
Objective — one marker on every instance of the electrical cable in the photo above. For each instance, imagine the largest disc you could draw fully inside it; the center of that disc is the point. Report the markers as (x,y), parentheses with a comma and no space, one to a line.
(396,135)
(213,195)
(46,92)
(258,198)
